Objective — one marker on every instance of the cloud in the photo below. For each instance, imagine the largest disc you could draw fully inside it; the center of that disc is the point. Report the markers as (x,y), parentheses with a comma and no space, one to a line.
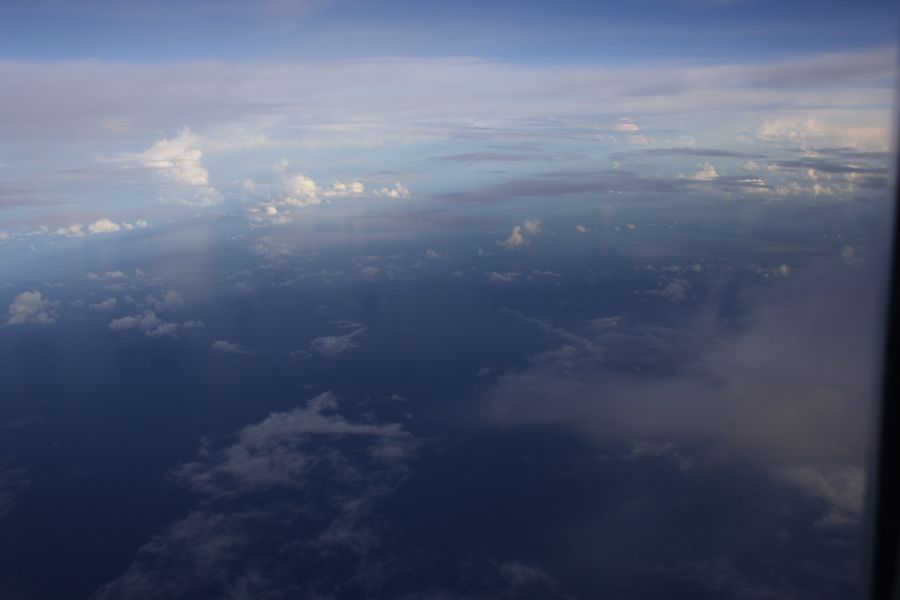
(302,191)
(178,160)
(340,189)
(503,277)
(228,347)
(397,191)
(103,226)
(625,124)
(100,226)
(108,304)
(171,300)
(707,172)
(520,234)
(327,473)
(332,346)
(674,290)
(31,307)
(531,226)
(149,323)
(581,229)
(790,390)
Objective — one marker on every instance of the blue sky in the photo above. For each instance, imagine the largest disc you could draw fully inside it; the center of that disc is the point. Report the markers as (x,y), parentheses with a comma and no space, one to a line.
(570,31)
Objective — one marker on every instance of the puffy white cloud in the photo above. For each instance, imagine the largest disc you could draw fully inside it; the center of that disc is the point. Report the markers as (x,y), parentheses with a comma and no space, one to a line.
(104,225)
(31,307)
(301,191)
(354,188)
(397,191)
(581,229)
(178,160)
(707,172)
(518,237)
(515,239)
(331,346)
(228,347)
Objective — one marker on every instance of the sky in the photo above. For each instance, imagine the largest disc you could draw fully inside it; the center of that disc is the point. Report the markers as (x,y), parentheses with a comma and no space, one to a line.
(342,299)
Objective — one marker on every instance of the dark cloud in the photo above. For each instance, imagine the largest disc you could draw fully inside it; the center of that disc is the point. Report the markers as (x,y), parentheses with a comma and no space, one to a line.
(830,166)
(474,157)
(702,152)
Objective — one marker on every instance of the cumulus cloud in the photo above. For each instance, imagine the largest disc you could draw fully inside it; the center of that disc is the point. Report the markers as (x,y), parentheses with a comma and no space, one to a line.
(100,226)
(302,191)
(31,307)
(179,160)
(332,346)
(520,234)
(338,189)
(707,172)
(397,191)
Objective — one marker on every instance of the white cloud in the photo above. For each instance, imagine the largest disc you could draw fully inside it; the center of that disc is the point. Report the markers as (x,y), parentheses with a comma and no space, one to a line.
(108,304)
(625,124)
(74,230)
(397,191)
(518,237)
(103,226)
(228,347)
(301,191)
(581,229)
(31,307)
(331,346)
(515,239)
(178,160)
(340,189)
(707,172)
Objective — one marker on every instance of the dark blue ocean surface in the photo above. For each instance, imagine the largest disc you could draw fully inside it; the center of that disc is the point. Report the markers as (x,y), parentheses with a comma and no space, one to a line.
(671,401)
